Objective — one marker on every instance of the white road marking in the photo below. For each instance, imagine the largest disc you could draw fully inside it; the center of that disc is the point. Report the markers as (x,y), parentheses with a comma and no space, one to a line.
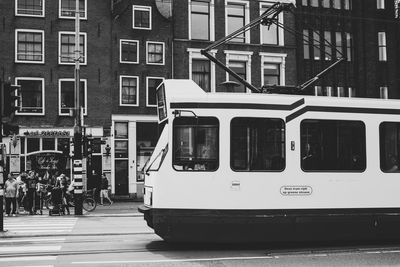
(40,225)
(34,258)
(14,240)
(173,260)
(29,248)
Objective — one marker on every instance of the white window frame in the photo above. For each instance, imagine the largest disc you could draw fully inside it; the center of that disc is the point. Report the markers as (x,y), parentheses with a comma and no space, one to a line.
(71,17)
(211,22)
(280,30)
(338,89)
(352,92)
(142,8)
(274,58)
(28,15)
(194,53)
(380,4)
(43,95)
(59,95)
(16,46)
(383,92)
(246,17)
(120,91)
(147,89)
(120,51)
(84,47)
(244,56)
(147,51)
(382,46)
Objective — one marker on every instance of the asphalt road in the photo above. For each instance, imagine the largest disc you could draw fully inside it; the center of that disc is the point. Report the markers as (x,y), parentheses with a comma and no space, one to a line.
(123,239)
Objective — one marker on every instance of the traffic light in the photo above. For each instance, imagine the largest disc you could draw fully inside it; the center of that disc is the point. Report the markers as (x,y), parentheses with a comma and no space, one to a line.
(10,99)
(89,147)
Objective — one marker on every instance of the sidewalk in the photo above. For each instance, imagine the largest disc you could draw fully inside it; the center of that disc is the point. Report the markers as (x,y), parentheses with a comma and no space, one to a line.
(117,209)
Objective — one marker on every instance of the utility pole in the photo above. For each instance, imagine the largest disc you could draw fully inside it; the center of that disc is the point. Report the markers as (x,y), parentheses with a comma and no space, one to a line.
(2,160)
(77,168)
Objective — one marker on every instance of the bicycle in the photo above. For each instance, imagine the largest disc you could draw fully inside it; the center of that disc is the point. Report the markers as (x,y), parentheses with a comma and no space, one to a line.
(88,202)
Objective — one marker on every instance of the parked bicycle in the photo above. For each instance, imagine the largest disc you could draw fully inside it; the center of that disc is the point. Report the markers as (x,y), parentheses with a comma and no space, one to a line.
(88,201)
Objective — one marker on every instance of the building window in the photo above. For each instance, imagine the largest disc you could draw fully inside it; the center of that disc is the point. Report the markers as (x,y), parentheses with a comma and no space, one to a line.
(29,46)
(32,96)
(306,44)
(257,144)
(201,73)
(67,48)
(201,70)
(336,4)
(382,46)
(271,34)
(326,3)
(314,3)
(141,17)
(389,143)
(121,146)
(129,51)
(333,145)
(318,90)
(352,92)
(68,7)
(328,45)
(341,92)
(129,91)
(383,92)
(304,2)
(195,144)
(155,53)
(349,46)
(66,98)
(152,83)
(200,23)
(317,45)
(339,45)
(237,16)
(239,62)
(347,4)
(30,8)
(380,4)
(271,74)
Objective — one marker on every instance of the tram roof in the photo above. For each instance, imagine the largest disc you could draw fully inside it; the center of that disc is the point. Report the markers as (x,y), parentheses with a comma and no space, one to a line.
(182,90)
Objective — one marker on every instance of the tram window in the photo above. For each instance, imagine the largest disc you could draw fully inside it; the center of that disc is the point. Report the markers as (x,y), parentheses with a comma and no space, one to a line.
(257,144)
(389,134)
(196,145)
(332,145)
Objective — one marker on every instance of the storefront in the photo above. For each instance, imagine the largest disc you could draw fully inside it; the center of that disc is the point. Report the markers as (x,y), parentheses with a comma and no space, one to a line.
(50,150)
(133,143)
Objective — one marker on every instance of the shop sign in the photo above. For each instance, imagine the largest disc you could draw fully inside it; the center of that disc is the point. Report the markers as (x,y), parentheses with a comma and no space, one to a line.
(47,133)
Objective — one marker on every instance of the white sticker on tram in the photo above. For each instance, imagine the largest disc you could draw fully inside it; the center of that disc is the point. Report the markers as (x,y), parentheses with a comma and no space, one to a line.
(296,190)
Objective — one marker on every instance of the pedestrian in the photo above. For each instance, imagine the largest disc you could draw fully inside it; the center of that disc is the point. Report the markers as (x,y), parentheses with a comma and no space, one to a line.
(31,192)
(96,181)
(11,193)
(64,188)
(104,189)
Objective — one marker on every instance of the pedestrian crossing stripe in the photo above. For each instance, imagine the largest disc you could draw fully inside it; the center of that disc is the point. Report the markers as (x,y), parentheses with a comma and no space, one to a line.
(36,225)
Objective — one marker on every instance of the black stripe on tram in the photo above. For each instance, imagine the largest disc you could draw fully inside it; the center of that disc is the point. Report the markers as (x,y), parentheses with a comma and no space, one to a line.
(237,105)
(305,109)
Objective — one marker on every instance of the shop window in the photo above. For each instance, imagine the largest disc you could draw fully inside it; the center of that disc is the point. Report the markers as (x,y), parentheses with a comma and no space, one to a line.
(121,148)
(31,8)
(257,144)
(333,145)
(121,130)
(63,145)
(48,144)
(33,145)
(389,134)
(196,144)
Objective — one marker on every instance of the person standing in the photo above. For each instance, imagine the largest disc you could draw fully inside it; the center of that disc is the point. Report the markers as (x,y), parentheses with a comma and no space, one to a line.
(31,192)
(104,189)
(11,192)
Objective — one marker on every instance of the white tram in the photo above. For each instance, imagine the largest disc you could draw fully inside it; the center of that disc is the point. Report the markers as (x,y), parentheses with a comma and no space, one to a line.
(231,167)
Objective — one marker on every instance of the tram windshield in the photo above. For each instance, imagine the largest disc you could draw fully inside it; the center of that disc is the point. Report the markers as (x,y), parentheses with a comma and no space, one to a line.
(195,144)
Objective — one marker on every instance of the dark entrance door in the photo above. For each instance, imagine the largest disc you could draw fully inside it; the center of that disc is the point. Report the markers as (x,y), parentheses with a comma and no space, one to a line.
(121,177)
